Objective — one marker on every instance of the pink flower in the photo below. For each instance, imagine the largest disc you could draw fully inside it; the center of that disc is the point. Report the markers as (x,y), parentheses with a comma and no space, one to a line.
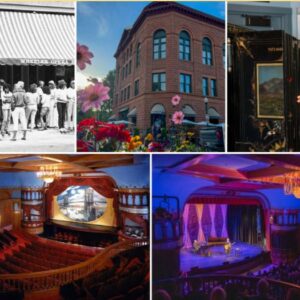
(83,56)
(178,117)
(92,96)
(175,100)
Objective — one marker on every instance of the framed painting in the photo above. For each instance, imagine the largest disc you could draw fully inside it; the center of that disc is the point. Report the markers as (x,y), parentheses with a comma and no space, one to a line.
(270,90)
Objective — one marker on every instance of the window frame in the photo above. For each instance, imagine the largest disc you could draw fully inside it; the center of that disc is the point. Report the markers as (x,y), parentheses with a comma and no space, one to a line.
(159,82)
(207,52)
(182,43)
(157,41)
(184,84)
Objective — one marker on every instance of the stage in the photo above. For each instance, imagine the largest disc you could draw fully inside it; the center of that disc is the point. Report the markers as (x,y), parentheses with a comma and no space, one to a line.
(240,251)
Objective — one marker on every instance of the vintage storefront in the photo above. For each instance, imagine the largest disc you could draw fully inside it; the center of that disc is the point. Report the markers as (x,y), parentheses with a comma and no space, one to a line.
(263,85)
(37,42)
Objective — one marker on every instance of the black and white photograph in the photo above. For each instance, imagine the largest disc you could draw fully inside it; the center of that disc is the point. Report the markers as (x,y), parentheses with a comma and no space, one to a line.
(37,87)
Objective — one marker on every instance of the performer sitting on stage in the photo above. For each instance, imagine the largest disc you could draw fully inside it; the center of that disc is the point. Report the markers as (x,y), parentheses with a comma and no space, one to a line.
(227,246)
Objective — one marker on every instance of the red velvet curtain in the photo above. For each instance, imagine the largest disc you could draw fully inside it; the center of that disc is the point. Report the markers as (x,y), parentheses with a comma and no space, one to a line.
(104,185)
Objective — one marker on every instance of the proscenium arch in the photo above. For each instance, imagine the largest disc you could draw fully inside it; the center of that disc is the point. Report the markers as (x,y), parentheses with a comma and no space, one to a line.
(213,195)
(103,184)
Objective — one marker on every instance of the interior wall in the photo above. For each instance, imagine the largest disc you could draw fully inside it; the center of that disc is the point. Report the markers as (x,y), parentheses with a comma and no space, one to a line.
(136,175)
(181,186)
(8,216)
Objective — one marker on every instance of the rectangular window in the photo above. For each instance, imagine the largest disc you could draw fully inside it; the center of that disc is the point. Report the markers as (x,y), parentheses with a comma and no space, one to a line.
(185,83)
(123,73)
(213,87)
(126,70)
(129,68)
(158,82)
(128,92)
(204,86)
(121,96)
(136,87)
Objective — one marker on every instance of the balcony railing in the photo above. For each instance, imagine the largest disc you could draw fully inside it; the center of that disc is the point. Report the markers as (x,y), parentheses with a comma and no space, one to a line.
(203,284)
(44,280)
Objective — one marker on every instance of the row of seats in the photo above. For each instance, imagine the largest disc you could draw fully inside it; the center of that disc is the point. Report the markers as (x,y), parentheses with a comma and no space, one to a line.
(7,239)
(35,256)
(127,277)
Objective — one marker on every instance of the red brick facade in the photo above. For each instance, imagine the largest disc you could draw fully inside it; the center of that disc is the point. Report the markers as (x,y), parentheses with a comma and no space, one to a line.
(172,18)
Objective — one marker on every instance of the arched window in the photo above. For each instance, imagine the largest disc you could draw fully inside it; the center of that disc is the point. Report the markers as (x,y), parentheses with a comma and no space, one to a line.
(214,116)
(158,116)
(138,55)
(207,57)
(184,46)
(159,44)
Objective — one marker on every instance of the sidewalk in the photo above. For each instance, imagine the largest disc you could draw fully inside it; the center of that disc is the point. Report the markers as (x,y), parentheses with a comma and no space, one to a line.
(50,140)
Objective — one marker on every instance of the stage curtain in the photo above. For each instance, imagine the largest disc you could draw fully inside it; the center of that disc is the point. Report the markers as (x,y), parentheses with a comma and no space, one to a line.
(202,221)
(243,223)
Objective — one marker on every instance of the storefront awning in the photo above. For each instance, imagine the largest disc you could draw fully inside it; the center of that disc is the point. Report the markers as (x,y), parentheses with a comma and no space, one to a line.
(112,118)
(213,114)
(188,111)
(158,109)
(36,38)
(123,109)
(132,113)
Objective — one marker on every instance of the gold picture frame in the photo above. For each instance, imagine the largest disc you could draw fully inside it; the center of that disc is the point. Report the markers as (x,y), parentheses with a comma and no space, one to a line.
(270,90)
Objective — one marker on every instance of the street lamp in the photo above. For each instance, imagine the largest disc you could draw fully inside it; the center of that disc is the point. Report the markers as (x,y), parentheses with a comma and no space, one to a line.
(206,110)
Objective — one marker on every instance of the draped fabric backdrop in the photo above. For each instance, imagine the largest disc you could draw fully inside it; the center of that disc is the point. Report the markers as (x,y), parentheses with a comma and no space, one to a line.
(245,223)
(202,221)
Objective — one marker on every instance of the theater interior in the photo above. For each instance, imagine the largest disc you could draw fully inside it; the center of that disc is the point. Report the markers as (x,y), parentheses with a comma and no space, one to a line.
(226,225)
(74,226)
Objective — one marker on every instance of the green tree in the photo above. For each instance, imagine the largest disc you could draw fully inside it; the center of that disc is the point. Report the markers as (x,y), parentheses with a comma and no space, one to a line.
(106,108)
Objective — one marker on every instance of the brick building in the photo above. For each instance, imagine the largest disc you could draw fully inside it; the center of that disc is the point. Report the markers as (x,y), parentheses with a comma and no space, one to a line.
(170,50)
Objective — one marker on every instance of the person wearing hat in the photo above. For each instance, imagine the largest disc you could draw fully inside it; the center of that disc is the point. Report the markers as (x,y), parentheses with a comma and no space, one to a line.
(71,105)
(61,97)
(18,114)
(53,114)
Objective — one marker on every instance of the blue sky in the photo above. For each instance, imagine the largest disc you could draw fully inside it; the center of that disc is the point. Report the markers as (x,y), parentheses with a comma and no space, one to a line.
(100,26)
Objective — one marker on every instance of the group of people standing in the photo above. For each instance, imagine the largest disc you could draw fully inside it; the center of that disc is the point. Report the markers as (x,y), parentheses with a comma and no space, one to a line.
(41,107)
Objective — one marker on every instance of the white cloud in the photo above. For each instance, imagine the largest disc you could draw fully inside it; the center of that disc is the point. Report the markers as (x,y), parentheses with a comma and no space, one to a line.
(103,27)
(82,80)
(85,9)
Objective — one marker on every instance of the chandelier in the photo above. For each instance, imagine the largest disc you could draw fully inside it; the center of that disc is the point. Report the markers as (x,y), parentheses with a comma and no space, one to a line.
(48,173)
(291,184)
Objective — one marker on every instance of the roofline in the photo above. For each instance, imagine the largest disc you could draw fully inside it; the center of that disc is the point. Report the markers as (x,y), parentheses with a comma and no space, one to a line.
(154,8)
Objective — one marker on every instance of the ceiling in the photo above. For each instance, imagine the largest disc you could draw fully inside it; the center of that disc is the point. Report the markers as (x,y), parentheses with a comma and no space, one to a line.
(222,168)
(68,164)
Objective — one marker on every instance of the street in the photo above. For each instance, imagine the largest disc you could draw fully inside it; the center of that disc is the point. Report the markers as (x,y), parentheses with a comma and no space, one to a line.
(50,140)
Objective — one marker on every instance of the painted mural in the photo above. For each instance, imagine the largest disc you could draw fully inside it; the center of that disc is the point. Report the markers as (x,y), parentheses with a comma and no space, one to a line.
(82,203)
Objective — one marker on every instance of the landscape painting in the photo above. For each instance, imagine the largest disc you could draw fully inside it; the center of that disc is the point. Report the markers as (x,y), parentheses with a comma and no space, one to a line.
(82,203)
(270,96)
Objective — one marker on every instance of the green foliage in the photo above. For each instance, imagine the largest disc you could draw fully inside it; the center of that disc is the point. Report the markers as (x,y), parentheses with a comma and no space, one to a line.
(106,109)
